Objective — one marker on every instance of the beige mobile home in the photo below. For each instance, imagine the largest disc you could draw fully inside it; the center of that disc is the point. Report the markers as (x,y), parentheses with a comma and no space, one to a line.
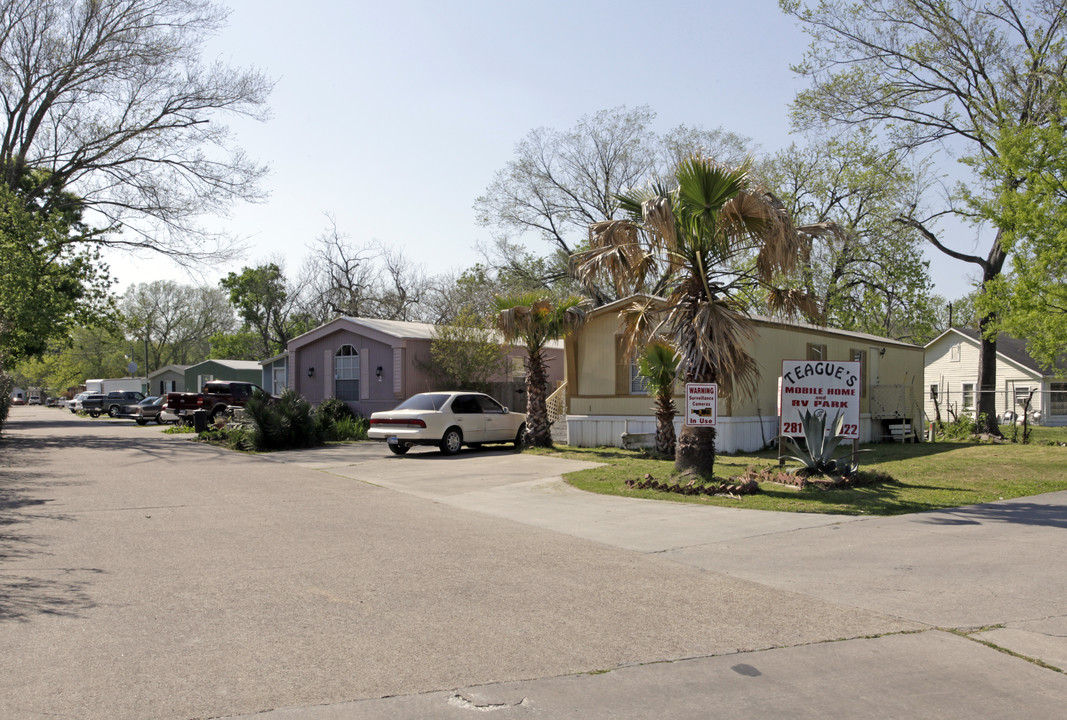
(605,397)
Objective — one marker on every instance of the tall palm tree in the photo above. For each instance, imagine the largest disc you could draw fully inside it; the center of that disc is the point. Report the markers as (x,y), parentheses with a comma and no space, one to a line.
(533,319)
(658,364)
(712,243)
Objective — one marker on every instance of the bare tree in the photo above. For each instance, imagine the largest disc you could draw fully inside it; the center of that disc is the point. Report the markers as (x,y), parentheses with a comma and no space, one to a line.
(176,320)
(561,182)
(340,278)
(111,101)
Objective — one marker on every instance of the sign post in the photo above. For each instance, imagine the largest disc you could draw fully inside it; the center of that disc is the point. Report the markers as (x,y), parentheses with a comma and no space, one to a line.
(701,404)
(823,387)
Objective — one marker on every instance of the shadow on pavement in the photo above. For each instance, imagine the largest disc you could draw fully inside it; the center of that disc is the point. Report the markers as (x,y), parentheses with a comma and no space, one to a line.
(25,495)
(1022,513)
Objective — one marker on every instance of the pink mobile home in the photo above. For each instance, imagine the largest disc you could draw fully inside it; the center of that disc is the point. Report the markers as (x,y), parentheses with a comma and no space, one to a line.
(374,364)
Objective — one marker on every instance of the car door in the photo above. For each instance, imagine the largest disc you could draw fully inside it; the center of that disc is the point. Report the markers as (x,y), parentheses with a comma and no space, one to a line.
(468,415)
(497,422)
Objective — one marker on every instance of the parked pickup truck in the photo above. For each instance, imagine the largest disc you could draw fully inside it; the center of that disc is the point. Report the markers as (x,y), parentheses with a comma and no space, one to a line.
(218,398)
(111,403)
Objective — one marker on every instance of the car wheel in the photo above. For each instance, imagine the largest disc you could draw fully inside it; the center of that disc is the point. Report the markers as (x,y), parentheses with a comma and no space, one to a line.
(399,449)
(94,413)
(113,411)
(520,436)
(452,441)
(141,421)
(217,414)
(159,419)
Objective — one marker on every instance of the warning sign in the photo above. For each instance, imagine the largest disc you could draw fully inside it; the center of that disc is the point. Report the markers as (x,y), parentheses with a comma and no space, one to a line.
(701,404)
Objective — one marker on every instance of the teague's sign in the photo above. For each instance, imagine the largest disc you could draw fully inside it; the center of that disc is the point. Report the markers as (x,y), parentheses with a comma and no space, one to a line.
(823,387)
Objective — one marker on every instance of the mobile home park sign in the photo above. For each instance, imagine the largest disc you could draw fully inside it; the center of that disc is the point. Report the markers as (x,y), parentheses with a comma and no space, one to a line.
(823,387)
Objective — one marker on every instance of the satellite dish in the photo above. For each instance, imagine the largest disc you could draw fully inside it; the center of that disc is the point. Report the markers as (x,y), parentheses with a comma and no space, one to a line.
(131,368)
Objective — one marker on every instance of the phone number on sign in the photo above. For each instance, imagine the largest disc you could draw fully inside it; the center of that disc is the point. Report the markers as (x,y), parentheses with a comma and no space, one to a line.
(795,428)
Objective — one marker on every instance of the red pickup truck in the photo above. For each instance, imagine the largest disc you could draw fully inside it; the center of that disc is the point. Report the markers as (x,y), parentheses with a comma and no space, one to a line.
(217,399)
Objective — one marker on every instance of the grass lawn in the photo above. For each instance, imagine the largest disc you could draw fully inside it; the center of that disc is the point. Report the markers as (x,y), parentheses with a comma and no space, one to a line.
(928,476)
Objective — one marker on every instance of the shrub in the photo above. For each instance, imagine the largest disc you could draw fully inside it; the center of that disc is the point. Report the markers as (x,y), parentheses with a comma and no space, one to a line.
(283,424)
(333,409)
(961,428)
(350,428)
(336,421)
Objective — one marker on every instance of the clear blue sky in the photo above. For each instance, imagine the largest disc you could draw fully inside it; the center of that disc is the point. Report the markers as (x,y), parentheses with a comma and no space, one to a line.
(394,116)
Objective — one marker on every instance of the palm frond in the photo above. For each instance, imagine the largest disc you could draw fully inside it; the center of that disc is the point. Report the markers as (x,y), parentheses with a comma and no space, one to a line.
(641,321)
(791,302)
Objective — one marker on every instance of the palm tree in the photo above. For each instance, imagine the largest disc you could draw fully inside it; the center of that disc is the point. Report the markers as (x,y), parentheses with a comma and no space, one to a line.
(658,364)
(533,319)
(711,243)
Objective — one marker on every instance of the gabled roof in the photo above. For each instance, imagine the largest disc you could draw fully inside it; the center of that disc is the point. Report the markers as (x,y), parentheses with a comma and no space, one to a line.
(1009,348)
(618,305)
(389,331)
(232,364)
(168,368)
(276,358)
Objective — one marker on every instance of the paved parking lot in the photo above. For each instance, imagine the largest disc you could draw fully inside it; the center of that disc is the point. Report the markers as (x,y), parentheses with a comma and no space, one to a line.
(144,576)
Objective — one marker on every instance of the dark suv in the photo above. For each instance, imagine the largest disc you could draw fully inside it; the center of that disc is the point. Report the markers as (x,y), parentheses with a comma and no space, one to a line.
(112,403)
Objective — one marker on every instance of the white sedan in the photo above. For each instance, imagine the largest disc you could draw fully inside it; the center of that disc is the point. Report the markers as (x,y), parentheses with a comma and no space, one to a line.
(448,420)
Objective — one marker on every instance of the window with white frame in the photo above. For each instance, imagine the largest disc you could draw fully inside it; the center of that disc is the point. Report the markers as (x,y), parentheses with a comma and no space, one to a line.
(1057,398)
(1022,394)
(346,373)
(968,396)
(278,379)
(954,353)
(638,384)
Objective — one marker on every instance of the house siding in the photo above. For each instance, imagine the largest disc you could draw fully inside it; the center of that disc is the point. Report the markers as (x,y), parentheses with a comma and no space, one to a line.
(218,371)
(599,413)
(949,375)
(160,383)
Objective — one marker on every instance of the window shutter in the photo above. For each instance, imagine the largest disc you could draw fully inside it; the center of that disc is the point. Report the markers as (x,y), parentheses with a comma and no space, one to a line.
(622,367)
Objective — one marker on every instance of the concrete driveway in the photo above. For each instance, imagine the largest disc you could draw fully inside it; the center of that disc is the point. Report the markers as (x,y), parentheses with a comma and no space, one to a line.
(144,576)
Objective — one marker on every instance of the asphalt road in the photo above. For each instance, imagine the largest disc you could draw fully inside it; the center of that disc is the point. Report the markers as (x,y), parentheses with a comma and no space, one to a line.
(146,576)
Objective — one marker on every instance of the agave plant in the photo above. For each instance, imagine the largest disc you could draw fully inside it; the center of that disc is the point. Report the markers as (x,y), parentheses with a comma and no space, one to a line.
(817,455)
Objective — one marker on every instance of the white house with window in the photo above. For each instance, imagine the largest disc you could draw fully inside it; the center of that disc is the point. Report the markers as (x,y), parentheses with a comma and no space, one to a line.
(952,379)
(374,364)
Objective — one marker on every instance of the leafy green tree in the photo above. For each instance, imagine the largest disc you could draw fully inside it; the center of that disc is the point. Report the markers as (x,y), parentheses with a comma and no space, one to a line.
(175,321)
(930,75)
(695,230)
(465,354)
(48,283)
(240,345)
(264,303)
(868,275)
(658,365)
(1031,300)
(532,320)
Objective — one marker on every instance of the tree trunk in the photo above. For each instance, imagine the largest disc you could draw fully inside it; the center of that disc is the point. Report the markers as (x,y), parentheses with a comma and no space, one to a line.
(986,412)
(696,450)
(665,439)
(538,432)
(987,359)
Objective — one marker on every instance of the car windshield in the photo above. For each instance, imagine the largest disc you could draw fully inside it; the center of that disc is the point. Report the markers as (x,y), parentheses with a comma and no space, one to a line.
(426,401)
(148,401)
